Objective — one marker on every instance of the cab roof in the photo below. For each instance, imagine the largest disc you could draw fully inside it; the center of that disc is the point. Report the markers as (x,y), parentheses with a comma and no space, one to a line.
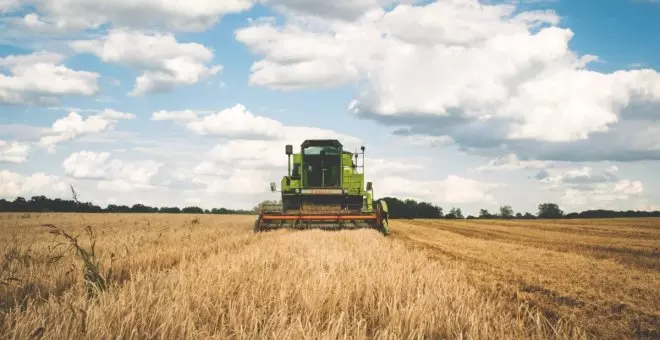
(321,142)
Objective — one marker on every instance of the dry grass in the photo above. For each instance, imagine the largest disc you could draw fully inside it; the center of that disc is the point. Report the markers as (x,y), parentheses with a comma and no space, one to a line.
(600,274)
(185,276)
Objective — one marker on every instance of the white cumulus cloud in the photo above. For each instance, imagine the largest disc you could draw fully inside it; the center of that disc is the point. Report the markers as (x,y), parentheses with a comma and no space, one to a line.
(604,195)
(86,164)
(585,186)
(164,62)
(249,154)
(6,5)
(482,75)
(74,125)
(14,184)
(209,168)
(511,162)
(25,81)
(581,177)
(296,59)
(236,121)
(114,174)
(390,166)
(14,151)
(339,9)
(239,181)
(60,16)
(63,16)
(451,190)
(180,116)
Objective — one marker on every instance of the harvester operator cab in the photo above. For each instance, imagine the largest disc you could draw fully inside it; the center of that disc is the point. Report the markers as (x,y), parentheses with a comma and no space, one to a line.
(321,164)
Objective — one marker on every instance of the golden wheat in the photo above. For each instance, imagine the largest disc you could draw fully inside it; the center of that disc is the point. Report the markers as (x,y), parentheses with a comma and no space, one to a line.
(600,274)
(183,276)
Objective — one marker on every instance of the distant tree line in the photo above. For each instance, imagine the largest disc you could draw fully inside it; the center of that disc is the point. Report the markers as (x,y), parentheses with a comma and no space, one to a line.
(45,204)
(412,209)
(409,208)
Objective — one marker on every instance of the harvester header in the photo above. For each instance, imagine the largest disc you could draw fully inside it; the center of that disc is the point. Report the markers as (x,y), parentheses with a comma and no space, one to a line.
(324,188)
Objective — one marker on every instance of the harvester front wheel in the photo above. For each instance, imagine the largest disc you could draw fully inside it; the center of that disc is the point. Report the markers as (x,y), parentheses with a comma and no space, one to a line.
(257,225)
(383,215)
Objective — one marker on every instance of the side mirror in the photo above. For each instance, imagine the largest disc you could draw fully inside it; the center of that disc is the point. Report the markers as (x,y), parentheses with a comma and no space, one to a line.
(289,149)
(273,187)
(369,186)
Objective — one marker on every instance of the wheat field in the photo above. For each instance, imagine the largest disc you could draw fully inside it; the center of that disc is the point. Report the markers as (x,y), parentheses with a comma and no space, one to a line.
(183,276)
(602,274)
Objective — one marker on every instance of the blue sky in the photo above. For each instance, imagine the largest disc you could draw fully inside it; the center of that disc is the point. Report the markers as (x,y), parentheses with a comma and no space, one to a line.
(461,103)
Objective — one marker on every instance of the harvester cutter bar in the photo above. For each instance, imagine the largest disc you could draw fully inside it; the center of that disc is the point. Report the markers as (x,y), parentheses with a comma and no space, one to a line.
(318,217)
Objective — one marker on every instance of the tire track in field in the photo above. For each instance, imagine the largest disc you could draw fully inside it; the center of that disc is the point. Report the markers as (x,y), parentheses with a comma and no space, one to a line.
(641,258)
(601,300)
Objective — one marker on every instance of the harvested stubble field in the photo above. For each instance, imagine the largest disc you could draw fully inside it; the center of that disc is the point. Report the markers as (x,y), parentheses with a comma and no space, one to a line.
(209,276)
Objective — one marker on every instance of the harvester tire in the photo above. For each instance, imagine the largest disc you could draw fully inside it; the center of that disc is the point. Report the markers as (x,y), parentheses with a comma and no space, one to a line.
(384,217)
(257,225)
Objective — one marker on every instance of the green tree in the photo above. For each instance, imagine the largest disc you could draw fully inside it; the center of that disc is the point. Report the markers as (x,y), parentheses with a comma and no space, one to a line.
(550,210)
(412,209)
(454,213)
(483,213)
(170,210)
(267,203)
(506,211)
(192,210)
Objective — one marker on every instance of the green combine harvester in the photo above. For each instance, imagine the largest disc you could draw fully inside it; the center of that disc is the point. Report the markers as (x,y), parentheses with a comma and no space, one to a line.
(324,189)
